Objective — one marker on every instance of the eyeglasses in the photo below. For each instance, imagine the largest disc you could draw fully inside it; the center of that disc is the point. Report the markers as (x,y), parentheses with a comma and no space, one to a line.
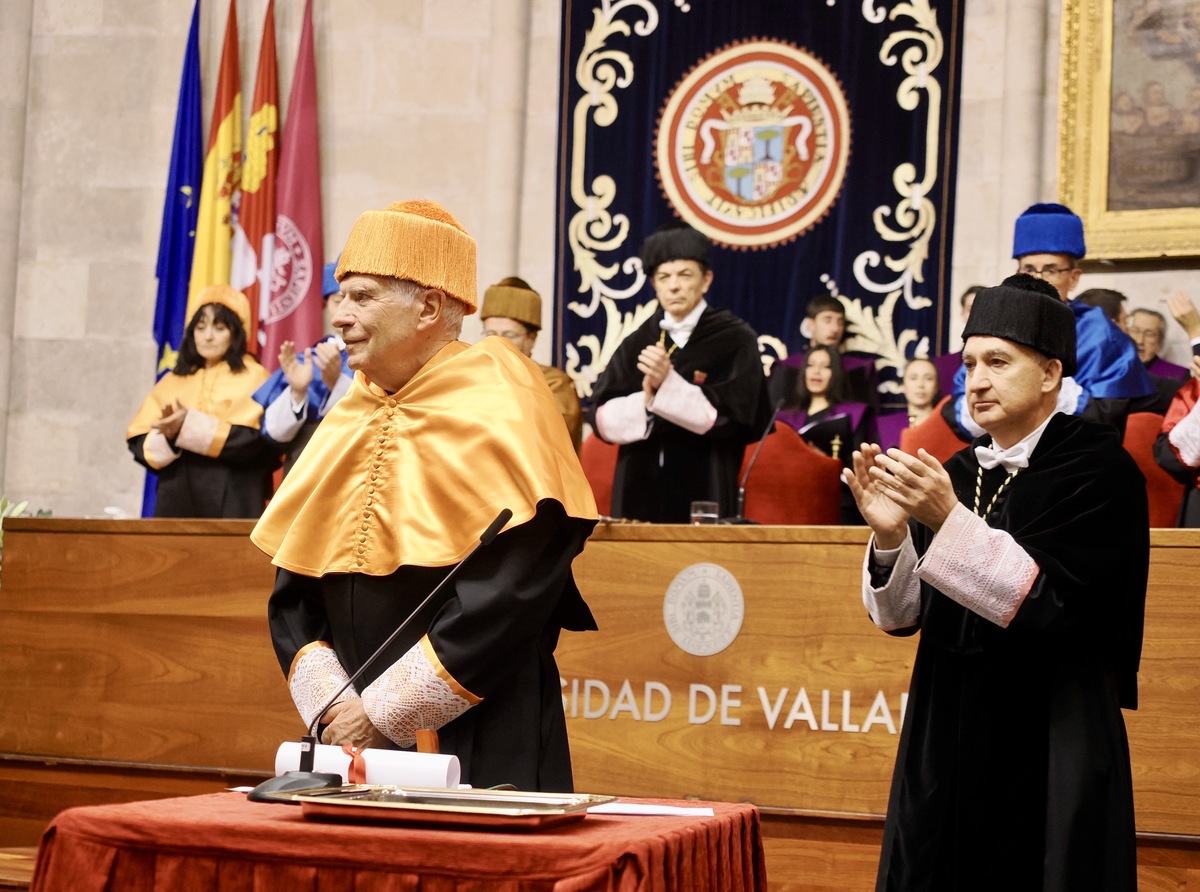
(1136,332)
(1046,272)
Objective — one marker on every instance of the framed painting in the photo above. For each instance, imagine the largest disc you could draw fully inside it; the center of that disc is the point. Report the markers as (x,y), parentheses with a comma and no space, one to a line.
(1129,125)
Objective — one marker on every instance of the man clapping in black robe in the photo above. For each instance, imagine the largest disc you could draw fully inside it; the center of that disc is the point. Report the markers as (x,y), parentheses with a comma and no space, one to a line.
(683,394)
(1023,565)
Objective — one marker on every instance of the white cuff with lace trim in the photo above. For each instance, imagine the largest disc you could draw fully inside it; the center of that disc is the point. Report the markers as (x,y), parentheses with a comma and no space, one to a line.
(316,674)
(897,603)
(981,568)
(157,450)
(623,420)
(198,432)
(683,404)
(411,695)
(1185,437)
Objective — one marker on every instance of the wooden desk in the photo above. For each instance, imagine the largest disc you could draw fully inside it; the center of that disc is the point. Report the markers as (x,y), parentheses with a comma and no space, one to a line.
(224,842)
(138,664)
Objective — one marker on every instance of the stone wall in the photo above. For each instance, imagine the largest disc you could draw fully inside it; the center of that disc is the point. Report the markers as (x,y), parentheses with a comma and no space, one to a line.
(454,100)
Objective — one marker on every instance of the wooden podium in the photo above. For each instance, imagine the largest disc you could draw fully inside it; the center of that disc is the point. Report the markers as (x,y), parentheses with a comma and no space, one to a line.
(732,663)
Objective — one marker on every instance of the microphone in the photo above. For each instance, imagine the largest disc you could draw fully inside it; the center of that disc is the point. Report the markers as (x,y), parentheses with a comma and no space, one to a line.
(307,779)
(740,517)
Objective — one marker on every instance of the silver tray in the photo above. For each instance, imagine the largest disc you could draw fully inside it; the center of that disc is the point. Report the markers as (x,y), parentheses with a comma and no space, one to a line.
(475,809)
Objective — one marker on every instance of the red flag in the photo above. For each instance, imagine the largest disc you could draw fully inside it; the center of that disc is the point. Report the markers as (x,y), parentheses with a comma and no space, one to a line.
(254,229)
(222,173)
(296,312)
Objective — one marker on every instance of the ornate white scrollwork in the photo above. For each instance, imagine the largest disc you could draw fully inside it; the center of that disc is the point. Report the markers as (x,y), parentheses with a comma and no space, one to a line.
(912,220)
(593,229)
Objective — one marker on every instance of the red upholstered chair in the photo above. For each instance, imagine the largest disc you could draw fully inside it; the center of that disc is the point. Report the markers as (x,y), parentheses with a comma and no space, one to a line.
(599,460)
(1164,491)
(933,435)
(792,483)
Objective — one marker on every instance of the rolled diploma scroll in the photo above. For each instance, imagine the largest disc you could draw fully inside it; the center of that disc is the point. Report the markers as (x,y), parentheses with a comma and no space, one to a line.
(383,766)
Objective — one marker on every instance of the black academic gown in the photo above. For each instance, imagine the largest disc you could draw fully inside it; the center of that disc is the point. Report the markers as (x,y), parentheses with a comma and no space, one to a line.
(658,478)
(237,483)
(495,630)
(1013,767)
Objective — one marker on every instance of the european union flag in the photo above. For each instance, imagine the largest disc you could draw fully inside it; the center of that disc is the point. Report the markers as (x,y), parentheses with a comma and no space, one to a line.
(180,208)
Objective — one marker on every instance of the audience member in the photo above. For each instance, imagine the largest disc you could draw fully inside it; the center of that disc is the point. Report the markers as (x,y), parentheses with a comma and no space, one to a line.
(1177,449)
(513,310)
(825,326)
(920,384)
(948,364)
(683,394)
(1023,565)
(305,387)
(434,438)
(1110,301)
(822,412)
(1148,329)
(1109,382)
(198,429)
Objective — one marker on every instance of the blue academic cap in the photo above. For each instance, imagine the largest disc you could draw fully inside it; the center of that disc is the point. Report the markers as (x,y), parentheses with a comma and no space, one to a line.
(1048,229)
(329,284)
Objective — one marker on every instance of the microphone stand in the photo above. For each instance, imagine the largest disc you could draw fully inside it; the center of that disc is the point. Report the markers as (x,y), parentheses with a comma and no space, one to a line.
(306,778)
(740,517)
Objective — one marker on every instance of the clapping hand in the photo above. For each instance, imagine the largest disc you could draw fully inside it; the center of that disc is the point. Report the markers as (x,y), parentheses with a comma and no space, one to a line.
(654,363)
(918,485)
(1185,313)
(171,420)
(297,370)
(328,359)
(887,520)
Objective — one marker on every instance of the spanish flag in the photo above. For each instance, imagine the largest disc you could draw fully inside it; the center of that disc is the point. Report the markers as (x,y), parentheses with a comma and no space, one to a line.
(222,173)
(254,228)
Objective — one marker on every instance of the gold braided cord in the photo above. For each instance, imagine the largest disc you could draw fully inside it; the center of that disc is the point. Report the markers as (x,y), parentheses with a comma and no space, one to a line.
(979,492)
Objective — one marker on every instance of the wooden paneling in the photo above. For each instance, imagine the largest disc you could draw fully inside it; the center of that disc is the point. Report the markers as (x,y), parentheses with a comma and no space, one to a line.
(138,665)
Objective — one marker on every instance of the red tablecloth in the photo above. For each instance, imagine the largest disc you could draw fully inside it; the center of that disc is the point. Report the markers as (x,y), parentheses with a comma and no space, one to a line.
(224,842)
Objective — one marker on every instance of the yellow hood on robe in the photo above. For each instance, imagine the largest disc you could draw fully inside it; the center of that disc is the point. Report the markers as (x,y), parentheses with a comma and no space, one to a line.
(413,478)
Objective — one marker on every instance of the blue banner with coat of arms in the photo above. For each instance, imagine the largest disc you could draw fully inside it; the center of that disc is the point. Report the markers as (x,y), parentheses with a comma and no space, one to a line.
(813,141)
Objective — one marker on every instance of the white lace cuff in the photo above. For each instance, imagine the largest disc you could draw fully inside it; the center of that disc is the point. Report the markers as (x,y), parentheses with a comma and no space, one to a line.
(414,693)
(1185,437)
(202,433)
(683,404)
(282,421)
(981,568)
(157,451)
(623,420)
(316,674)
(1068,396)
(897,603)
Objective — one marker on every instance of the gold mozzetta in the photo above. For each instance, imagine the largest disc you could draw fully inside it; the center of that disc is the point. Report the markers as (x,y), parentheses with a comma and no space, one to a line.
(216,391)
(412,478)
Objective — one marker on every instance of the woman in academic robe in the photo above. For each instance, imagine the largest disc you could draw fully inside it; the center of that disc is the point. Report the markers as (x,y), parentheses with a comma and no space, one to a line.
(920,387)
(826,418)
(198,429)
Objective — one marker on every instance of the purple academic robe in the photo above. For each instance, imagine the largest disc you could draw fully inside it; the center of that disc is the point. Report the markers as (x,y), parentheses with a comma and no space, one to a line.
(1161,368)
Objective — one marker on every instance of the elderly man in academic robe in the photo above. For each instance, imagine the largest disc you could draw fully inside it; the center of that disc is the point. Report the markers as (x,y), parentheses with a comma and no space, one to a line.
(1022,564)
(432,441)
(683,394)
